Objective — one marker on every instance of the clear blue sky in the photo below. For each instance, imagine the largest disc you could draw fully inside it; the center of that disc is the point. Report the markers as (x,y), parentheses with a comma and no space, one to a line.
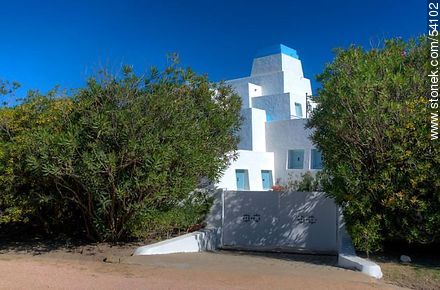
(45,43)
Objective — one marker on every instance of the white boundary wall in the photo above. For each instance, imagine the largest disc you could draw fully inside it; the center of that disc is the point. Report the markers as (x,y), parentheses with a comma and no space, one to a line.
(211,238)
(280,221)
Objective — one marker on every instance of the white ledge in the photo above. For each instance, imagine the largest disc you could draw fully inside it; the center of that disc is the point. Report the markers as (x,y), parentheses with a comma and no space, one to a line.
(347,257)
(357,263)
(190,243)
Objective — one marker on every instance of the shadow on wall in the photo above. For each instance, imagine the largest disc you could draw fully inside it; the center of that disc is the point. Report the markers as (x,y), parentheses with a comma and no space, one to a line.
(276,221)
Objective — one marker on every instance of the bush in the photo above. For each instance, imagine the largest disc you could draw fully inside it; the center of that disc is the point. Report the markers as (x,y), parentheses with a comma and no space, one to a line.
(26,198)
(186,216)
(308,182)
(119,149)
(372,126)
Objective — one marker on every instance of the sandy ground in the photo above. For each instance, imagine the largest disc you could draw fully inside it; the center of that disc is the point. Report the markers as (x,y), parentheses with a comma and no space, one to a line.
(224,270)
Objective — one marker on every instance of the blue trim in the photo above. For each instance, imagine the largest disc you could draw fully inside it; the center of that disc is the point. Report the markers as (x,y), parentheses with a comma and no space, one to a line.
(268,117)
(316,159)
(295,159)
(276,49)
(266,176)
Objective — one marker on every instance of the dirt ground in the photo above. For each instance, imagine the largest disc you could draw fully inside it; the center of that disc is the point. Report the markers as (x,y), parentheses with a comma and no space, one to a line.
(38,266)
(422,273)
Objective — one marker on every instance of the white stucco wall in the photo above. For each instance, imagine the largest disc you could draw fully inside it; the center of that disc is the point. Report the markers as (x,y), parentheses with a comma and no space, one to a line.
(252,132)
(254,91)
(276,106)
(286,221)
(245,133)
(252,161)
(274,75)
(241,87)
(271,83)
(269,95)
(267,64)
(258,130)
(282,136)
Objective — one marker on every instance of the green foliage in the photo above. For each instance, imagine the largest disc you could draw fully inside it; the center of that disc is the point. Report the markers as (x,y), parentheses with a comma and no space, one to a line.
(166,222)
(373,128)
(120,149)
(7,90)
(308,182)
(25,197)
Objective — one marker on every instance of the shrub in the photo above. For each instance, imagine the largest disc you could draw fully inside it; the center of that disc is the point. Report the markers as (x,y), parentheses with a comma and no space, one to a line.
(372,125)
(307,182)
(123,148)
(186,216)
(25,197)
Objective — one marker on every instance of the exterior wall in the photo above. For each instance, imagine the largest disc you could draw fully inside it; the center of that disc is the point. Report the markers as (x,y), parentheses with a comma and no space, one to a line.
(274,75)
(271,221)
(252,133)
(270,122)
(241,87)
(267,64)
(252,161)
(291,64)
(254,91)
(271,83)
(282,136)
(245,133)
(258,130)
(277,107)
(286,221)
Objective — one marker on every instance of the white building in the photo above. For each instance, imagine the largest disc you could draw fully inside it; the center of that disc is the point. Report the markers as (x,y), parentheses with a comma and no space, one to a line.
(274,142)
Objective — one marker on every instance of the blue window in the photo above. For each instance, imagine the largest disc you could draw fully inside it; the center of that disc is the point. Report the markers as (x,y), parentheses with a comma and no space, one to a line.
(242,179)
(266,176)
(298,110)
(295,159)
(316,159)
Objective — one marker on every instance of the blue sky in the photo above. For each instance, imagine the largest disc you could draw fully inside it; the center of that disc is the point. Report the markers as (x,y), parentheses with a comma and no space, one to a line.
(45,43)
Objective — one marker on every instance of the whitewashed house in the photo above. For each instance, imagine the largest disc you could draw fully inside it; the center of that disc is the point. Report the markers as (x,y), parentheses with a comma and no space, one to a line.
(274,142)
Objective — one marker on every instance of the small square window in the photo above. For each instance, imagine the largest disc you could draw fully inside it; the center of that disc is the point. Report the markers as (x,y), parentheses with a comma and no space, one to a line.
(295,159)
(316,162)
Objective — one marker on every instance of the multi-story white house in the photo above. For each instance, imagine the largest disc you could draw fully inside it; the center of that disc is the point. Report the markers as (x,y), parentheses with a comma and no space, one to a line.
(274,142)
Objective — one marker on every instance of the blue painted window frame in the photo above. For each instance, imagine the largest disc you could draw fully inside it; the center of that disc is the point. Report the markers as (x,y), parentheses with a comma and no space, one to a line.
(316,159)
(295,159)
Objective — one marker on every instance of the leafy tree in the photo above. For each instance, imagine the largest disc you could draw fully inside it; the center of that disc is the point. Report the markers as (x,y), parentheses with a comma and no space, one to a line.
(7,90)
(373,128)
(24,196)
(131,145)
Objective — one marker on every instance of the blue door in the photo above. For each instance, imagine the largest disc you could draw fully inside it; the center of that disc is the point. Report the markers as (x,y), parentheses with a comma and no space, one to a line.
(266,176)
(298,110)
(242,179)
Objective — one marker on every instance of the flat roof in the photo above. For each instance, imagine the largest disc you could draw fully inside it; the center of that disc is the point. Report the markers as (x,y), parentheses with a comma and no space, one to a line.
(276,49)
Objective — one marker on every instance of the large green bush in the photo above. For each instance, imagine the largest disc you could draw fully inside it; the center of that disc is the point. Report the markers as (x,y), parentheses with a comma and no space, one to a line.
(120,149)
(25,197)
(373,127)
